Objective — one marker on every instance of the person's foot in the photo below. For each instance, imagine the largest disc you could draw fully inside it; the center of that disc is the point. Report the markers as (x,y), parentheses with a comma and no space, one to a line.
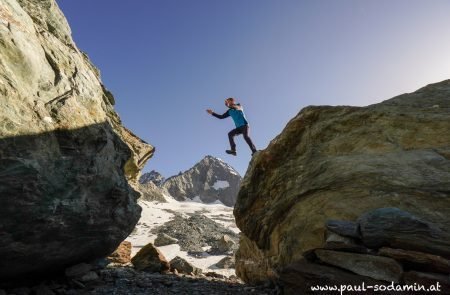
(231,152)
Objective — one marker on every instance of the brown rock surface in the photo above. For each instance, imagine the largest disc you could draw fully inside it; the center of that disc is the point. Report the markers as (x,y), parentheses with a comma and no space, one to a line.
(122,254)
(150,259)
(338,163)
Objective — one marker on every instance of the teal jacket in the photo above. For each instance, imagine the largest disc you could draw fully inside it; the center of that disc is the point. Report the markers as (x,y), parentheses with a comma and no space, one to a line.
(237,114)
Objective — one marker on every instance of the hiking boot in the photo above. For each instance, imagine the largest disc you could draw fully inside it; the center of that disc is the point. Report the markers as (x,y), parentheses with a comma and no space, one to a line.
(231,152)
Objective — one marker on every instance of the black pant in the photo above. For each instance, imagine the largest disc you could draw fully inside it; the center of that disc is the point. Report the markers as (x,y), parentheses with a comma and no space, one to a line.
(244,130)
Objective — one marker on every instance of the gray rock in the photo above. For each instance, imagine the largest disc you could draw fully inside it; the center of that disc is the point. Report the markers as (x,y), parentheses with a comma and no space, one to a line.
(344,228)
(89,277)
(2,292)
(68,166)
(211,179)
(163,240)
(400,229)
(376,267)
(78,270)
(212,274)
(226,262)
(298,277)
(418,260)
(225,244)
(182,266)
(334,241)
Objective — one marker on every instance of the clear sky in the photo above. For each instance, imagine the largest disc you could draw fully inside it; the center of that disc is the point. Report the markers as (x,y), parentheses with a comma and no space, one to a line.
(167,61)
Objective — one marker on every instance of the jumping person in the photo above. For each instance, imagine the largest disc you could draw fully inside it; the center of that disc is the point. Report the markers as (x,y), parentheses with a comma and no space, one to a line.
(236,112)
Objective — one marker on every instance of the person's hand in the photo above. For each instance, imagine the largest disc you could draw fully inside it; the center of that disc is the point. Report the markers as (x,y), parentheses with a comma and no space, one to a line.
(209,111)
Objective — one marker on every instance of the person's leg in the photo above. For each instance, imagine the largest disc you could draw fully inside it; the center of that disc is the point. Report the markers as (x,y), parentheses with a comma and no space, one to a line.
(231,136)
(245,132)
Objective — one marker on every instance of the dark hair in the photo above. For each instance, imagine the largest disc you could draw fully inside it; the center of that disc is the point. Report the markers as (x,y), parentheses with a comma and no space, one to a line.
(230,98)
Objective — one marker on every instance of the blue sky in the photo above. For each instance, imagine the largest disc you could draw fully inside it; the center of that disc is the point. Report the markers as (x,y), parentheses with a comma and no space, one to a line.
(167,61)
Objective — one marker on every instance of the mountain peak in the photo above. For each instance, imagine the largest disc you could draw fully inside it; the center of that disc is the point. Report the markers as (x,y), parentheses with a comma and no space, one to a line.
(153,176)
(210,180)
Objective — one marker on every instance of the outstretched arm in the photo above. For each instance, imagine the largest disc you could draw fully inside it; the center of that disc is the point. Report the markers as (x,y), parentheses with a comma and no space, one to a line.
(225,115)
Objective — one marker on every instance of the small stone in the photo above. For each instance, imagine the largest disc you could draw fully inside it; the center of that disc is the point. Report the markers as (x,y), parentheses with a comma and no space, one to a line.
(343,228)
(182,266)
(335,241)
(2,292)
(215,275)
(225,244)
(78,270)
(149,258)
(226,262)
(89,277)
(163,240)
(122,254)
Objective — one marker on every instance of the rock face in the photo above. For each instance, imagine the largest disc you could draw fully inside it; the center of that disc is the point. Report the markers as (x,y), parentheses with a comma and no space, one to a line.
(209,180)
(152,193)
(67,165)
(337,163)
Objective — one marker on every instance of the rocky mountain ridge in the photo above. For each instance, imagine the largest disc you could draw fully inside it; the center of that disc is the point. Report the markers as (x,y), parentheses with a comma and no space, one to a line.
(210,180)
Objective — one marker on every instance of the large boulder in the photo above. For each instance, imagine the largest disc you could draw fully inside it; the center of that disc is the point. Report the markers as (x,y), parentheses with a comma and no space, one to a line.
(338,163)
(67,165)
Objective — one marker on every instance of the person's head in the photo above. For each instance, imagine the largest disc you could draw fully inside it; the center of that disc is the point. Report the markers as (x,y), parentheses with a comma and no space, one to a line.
(229,101)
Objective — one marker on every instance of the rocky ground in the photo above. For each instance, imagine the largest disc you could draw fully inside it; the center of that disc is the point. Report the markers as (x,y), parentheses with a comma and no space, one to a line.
(202,234)
(119,279)
(198,231)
